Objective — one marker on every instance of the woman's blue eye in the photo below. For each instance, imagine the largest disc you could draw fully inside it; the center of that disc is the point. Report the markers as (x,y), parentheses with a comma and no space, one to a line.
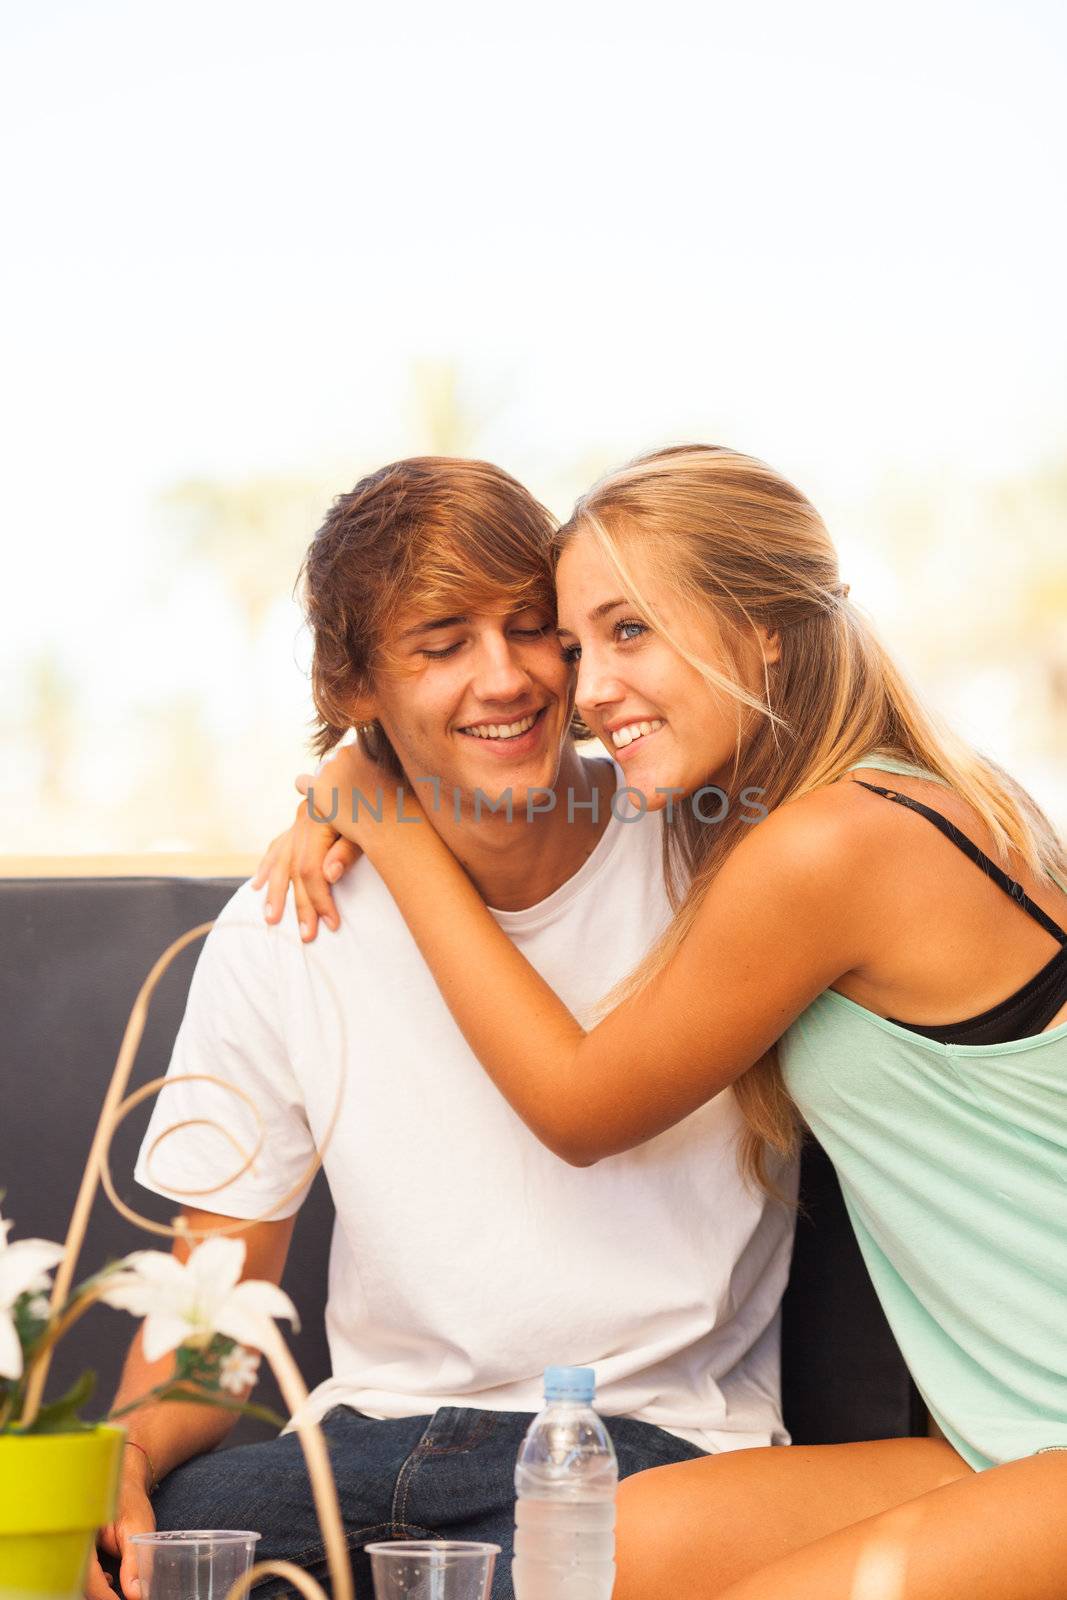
(625,632)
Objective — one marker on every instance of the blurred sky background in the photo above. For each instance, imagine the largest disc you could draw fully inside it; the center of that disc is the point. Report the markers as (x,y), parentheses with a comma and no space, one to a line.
(255,250)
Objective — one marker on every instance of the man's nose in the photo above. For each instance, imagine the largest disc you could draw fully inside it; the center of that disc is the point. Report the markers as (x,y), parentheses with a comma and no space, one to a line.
(500,676)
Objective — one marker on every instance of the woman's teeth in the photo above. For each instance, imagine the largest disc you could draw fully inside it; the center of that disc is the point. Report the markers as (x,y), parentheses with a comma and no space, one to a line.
(502,730)
(634,730)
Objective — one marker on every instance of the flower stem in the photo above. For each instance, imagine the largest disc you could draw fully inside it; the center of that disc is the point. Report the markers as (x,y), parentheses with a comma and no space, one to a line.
(201,1397)
(141,1400)
(41,1354)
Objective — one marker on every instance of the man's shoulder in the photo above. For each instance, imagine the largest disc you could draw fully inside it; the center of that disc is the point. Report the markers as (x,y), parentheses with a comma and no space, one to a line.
(243,913)
(364,905)
(242,940)
(238,941)
(243,903)
(358,890)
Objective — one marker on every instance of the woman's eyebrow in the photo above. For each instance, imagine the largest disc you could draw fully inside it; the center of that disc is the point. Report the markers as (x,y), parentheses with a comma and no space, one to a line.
(602,611)
(599,611)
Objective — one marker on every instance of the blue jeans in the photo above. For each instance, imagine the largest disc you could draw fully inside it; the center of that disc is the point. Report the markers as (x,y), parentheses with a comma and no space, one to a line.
(447,1476)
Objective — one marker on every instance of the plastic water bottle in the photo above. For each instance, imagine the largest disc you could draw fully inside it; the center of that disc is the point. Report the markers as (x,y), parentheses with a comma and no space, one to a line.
(565,1482)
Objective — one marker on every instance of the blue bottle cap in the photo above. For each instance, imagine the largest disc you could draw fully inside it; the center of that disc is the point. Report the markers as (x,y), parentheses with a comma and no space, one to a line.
(577,1384)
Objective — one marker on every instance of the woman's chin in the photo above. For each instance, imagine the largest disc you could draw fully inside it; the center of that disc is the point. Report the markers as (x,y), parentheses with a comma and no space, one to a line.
(650,766)
(655,787)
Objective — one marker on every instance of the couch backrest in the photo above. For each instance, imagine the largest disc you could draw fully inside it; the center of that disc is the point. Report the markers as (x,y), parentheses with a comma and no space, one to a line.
(73,953)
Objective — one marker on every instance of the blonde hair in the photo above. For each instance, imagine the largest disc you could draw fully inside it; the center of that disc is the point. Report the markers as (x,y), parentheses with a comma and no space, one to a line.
(722,531)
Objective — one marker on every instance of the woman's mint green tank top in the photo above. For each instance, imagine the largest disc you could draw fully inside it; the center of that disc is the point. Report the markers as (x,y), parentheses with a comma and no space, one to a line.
(953,1164)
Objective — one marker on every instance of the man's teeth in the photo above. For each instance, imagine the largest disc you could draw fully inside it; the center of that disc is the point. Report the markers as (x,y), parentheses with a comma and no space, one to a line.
(627,735)
(502,730)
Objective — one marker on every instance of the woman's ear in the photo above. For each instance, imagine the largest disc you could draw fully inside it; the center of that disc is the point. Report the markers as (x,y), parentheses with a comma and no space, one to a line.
(771,645)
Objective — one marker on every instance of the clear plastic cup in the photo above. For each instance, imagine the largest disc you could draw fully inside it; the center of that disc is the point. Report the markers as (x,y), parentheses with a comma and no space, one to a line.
(432,1569)
(193,1564)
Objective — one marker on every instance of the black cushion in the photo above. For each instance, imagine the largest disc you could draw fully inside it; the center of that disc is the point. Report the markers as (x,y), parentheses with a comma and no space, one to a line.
(843,1377)
(73,953)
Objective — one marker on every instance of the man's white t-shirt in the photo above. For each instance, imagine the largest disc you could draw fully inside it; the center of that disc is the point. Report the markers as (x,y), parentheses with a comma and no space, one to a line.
(465,1256)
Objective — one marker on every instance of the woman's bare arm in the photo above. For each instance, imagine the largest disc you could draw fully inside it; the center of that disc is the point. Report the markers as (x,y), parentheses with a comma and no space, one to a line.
(783,920)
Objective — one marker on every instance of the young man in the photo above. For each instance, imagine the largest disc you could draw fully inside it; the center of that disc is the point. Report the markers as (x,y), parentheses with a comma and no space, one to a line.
(466,1257)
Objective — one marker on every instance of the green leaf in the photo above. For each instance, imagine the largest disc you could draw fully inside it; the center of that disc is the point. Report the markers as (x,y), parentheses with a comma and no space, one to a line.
(61,1416)
(28,1326)
(185,1361)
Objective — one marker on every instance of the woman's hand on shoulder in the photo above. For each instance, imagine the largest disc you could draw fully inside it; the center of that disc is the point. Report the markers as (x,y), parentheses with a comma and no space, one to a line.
(312,855)
(365,802)
(352,805)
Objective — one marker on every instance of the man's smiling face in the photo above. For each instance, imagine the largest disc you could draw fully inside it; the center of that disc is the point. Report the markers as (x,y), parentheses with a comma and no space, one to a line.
(481,701)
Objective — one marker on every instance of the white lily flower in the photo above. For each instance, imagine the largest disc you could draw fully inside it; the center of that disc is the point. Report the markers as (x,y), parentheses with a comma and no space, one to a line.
(188,1304)
(24,1269)
(238,1370)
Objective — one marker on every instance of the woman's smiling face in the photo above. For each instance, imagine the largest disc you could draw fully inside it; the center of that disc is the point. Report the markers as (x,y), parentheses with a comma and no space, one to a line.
(669,729)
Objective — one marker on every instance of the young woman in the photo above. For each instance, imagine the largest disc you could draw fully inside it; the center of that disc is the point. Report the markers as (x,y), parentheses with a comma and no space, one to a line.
(883,958)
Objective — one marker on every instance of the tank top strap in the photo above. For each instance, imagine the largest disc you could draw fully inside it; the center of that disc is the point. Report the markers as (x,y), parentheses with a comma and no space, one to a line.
(898,766)
(979,857)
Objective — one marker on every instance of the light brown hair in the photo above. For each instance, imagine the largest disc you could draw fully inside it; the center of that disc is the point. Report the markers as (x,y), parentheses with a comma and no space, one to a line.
(441,535)
(724,531)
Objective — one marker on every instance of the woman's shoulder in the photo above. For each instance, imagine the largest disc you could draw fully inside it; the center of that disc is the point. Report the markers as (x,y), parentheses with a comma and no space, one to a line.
(865,847)
(845,813)
(822,855)
(836,849)
(804,883)
(820,828)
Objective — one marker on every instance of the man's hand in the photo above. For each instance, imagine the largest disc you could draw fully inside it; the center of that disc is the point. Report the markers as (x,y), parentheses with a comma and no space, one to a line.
(312,856)
(133,1514)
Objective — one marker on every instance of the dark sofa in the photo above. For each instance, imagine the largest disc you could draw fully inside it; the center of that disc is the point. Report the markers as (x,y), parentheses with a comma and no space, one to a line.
(74,952)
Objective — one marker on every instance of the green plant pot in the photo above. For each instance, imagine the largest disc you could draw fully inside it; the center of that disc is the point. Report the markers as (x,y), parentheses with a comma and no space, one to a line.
(56,1489)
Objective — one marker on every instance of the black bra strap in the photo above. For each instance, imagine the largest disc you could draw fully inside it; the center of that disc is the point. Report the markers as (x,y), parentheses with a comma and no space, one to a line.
(979,857)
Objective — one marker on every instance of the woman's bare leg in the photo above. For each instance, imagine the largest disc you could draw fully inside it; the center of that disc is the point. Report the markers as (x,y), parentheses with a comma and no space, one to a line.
(997,1535)
(689,1532)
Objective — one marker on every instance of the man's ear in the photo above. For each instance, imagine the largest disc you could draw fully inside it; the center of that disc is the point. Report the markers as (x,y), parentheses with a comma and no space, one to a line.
(362,710)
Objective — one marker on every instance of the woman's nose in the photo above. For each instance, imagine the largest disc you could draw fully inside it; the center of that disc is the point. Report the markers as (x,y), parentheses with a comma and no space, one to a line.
(596,687)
